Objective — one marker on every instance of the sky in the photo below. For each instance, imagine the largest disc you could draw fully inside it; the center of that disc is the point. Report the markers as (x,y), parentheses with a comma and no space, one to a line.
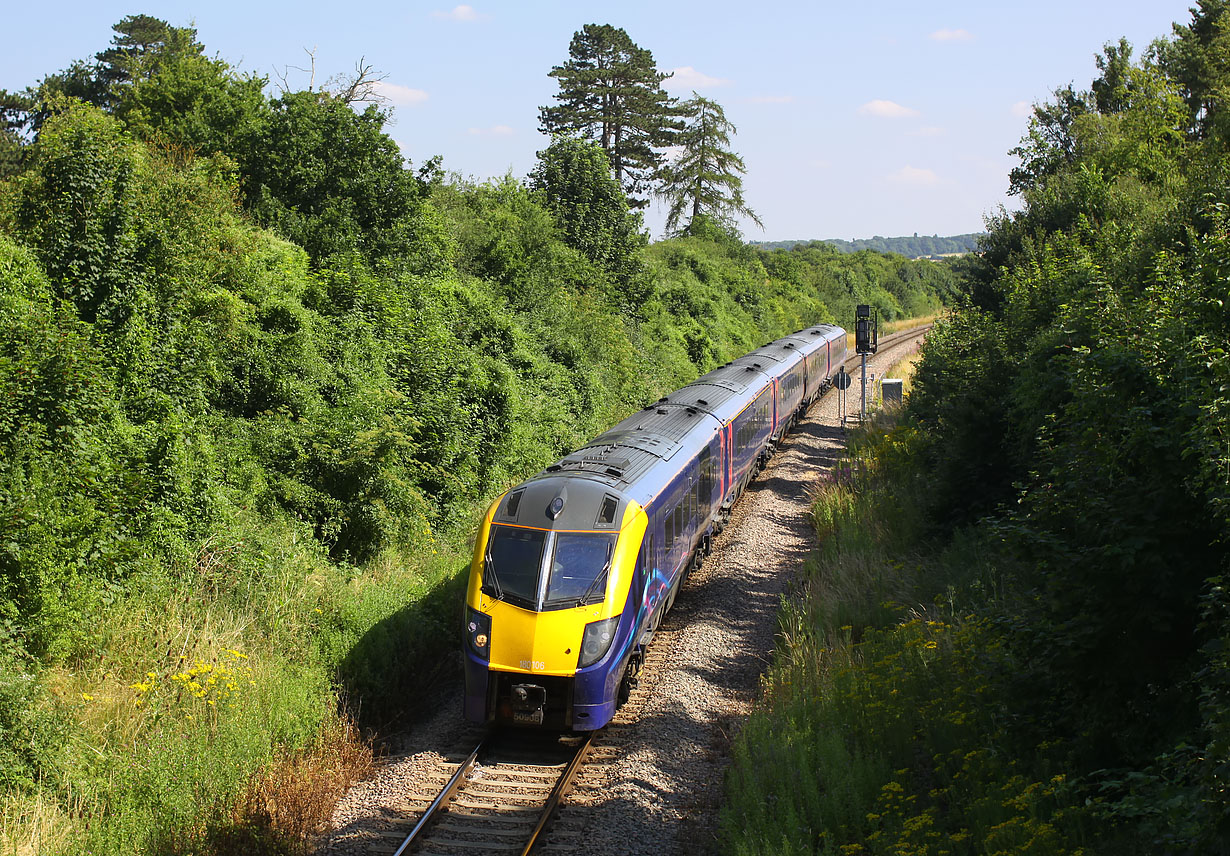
(853,119)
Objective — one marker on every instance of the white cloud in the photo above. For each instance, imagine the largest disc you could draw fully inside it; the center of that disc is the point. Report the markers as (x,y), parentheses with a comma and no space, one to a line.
(459,13)
(952,36)
(929,131)
(886,110)
(493,131)
(687,77)
(770,99)
(1023,109)
(914,176)
(402,96)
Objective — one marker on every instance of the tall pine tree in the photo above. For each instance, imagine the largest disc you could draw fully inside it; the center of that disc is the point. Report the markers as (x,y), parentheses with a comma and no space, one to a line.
(706,179)
(611,92)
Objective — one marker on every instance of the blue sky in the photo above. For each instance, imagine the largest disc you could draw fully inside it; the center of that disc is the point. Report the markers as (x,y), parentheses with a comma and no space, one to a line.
(854,120)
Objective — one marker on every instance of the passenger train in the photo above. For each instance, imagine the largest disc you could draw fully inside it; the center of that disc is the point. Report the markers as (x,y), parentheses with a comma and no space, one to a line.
(574,569)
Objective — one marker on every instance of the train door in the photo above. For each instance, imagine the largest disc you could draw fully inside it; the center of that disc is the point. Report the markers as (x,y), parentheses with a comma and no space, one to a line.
(775,416)
(706,484)
(728,459)
(648,588)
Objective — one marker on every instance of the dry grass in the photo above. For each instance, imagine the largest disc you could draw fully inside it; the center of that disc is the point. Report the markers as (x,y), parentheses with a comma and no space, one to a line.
(290,801)
(904,369)
(31,824)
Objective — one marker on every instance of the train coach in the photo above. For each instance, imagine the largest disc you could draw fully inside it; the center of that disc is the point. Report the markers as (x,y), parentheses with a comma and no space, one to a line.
(574,569)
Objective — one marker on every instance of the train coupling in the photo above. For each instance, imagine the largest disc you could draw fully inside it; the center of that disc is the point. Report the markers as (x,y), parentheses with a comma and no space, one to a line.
(529,704)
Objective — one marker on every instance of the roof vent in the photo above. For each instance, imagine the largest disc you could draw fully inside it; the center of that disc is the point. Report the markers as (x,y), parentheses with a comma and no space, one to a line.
(702,402)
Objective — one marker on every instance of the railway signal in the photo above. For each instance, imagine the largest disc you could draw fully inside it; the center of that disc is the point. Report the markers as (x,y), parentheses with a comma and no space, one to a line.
(866,341)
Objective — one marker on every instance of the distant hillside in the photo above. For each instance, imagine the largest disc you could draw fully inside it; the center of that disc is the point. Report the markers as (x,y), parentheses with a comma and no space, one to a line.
(918,246)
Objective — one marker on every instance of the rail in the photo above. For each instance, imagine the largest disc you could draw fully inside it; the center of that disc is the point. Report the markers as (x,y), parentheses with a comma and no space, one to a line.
(442,800)
(474,792)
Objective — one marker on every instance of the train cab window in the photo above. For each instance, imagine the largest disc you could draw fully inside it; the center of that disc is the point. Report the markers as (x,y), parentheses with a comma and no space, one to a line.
(580,563)
(513,504)
(513,562)
(606,514)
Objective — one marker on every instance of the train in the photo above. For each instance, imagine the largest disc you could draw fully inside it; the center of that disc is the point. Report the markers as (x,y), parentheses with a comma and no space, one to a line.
(574,569)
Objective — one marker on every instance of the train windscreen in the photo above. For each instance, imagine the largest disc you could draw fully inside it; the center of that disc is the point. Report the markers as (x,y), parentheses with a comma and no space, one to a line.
(514,560)
(579,565)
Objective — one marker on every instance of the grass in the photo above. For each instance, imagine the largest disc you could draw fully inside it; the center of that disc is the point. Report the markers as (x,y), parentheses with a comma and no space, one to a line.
(884,723)
(222,708)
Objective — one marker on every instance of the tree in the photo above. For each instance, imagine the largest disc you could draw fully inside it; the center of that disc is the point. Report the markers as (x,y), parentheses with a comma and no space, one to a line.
(1110,88)
(1050,145)
(706,178)
(1199,58)
(329,178)
(194,102)
(140,46)
(610,91)
(573,179)
(16,110)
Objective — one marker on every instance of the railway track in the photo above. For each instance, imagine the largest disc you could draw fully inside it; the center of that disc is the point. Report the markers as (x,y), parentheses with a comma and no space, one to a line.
(888,341)
(504,795)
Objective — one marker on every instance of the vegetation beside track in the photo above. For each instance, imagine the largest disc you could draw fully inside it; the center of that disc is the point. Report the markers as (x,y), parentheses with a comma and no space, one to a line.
(256,379)
(886,724)
(1013,638)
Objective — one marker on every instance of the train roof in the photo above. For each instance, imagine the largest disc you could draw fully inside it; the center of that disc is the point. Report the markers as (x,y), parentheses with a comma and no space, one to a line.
(818,333)
(636,458)
(618,463)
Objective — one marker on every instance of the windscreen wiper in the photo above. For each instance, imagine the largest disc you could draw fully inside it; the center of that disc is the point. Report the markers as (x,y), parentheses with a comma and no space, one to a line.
(601,577)
(489,577)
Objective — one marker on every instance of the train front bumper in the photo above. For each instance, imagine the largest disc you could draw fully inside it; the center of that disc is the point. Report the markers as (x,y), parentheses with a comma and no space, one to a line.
(581,702)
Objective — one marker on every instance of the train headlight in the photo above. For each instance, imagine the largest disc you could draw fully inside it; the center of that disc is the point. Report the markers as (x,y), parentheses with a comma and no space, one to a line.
(478,633)
(596,640)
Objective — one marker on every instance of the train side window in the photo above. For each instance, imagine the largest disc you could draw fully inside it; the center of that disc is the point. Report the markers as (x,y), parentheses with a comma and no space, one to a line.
(668,530)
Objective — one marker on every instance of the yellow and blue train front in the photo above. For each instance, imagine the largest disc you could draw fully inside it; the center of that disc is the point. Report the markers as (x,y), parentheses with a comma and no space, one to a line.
(550,617)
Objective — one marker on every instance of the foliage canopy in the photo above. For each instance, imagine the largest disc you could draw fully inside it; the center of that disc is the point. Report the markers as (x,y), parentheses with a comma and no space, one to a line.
(610,91)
